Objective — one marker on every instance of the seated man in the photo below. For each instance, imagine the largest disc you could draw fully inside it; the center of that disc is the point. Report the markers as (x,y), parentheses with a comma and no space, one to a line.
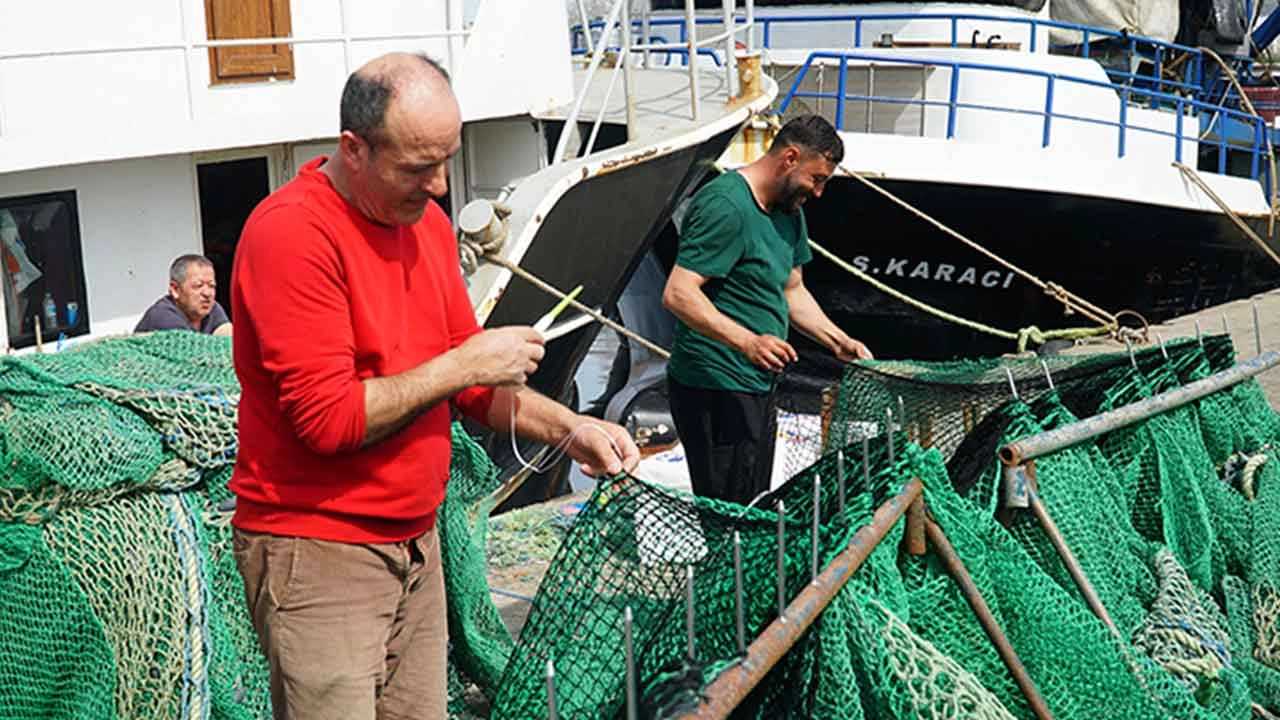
(189,304)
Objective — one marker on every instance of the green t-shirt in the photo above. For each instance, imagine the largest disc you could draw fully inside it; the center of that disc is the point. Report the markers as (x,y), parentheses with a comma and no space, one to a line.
(747,254)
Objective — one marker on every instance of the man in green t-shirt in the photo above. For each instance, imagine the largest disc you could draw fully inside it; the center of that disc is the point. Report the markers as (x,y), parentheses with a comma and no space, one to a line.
(735,289)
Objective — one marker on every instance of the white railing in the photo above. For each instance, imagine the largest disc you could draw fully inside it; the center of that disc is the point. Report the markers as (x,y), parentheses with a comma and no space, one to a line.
(619,21)
(453,17)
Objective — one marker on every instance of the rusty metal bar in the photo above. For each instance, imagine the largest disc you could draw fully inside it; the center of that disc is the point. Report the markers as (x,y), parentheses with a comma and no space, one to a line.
(732,685)
(978,605)
(916,528)
(1029,448)
(1069,561)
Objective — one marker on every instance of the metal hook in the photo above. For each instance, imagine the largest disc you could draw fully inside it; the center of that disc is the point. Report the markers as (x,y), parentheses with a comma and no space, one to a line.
(1047,375)
(817,521)
(1257,330)
(782,557)
(1199,335)
(1132,357)
(1160,342)
(1013,388)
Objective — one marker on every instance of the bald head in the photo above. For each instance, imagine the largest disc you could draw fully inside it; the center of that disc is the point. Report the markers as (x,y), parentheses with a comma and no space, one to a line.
(386,81)
(400,127)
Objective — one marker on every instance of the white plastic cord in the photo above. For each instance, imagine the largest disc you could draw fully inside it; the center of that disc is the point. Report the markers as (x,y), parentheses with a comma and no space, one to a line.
(559,450)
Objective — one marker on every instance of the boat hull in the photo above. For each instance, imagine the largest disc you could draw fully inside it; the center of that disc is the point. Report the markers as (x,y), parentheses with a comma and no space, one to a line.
(1158,261)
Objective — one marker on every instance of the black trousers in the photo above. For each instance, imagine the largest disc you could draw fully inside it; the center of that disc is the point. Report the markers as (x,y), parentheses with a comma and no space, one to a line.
(727,438)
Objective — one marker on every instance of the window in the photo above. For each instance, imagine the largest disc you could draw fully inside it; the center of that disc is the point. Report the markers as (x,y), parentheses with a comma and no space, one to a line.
(43,278)
(245,19)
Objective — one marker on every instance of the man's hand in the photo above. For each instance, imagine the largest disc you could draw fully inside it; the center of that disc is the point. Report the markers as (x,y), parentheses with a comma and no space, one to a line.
(603,448)
(848,350)
(503,356)
(770,352)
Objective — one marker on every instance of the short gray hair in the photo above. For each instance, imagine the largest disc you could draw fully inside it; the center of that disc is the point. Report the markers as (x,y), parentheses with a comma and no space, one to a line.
(178,268)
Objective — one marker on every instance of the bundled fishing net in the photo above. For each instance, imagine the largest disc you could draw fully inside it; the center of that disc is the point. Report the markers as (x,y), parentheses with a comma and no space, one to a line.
(121,596)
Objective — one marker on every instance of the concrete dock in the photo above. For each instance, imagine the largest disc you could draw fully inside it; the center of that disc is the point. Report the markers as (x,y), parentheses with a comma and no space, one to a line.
(1239,320)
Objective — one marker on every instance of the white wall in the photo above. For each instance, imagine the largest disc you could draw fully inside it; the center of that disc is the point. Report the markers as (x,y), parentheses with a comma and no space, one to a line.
(101,106)
(135,217)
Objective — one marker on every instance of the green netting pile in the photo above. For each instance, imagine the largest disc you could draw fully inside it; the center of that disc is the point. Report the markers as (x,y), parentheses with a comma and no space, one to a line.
(1172,519)
(120,596)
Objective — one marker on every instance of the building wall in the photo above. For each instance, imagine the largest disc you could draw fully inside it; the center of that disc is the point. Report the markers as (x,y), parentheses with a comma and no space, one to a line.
(133,101)
(135,217)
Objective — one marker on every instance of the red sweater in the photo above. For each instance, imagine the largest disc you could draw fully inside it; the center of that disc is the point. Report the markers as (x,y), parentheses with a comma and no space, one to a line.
(323,299)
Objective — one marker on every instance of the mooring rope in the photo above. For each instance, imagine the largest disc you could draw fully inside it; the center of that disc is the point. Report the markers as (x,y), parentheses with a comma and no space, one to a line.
(1069,299)
(1023,337)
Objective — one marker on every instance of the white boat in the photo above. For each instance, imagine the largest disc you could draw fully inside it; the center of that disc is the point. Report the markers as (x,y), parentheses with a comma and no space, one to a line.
(1055,145)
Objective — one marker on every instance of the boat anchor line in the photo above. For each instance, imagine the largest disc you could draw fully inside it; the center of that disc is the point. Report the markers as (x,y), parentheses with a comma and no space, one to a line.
(1024,337)
(939,272)
(1069,299)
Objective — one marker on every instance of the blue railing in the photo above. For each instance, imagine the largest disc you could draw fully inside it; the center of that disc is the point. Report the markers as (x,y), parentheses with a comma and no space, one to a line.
(579,48)
(1158,53)
(1253,127)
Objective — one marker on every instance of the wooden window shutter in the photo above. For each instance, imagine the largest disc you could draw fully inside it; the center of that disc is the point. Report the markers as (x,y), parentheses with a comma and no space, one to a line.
(243,19)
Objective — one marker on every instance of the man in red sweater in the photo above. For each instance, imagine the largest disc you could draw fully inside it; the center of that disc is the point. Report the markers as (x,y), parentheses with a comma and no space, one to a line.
(354,333)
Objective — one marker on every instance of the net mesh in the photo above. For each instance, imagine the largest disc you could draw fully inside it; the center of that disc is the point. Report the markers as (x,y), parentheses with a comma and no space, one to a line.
(114,551)
(1171,519)
(121,595)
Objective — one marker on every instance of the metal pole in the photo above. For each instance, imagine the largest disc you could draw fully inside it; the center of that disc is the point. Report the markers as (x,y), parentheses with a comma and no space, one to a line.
(973,596)
(751,27)
(1029,448)
(586,28)
(782,557)
(561,144)
(627,631)
(1199,335)
(1013,388)
(552,712)
(1257,330)
(1069,560)
(646,10)
(866,464)
(840,481)
(628,81)
(740,610)
(733,685)
(916,528)
(817,523)
(727,7)
(888,414)
(688,613)
(691,43)
(1047,375)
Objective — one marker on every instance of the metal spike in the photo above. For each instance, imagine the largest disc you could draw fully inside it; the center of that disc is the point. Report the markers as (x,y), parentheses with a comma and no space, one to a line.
(633,711)
(1048,376)
(1013,388)
(782,557)
(1257,329)
(840,481)
(1199,335)
(817,522)
(688,612)
(866,463)
(902,418)
(1160,342)
(888,414)
(739,609)
(1226,329)
(552,712)
(1133,359)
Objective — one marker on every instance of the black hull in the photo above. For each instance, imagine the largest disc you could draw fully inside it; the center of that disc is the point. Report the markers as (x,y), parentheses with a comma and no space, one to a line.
(1160,262)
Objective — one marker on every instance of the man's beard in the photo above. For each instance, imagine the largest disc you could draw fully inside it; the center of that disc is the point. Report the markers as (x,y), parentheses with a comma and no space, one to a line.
(792,199)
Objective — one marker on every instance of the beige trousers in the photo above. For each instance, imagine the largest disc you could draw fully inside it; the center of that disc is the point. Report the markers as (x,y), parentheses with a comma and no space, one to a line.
(351,632)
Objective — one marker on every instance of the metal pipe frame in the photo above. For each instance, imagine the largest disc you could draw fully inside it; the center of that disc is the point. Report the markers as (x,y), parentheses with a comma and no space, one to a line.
(972,596)
(1046,443)
(735,683)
